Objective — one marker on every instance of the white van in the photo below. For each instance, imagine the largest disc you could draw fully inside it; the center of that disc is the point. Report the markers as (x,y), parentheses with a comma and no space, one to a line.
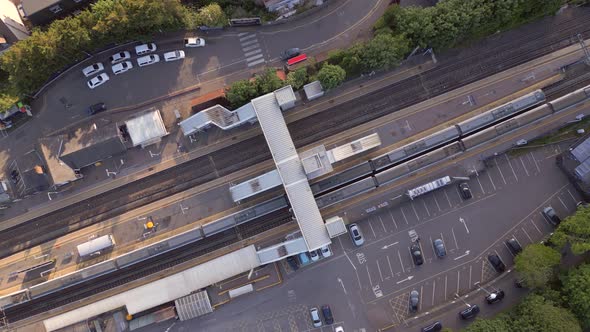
(148,60)
(145,48)
(174,55)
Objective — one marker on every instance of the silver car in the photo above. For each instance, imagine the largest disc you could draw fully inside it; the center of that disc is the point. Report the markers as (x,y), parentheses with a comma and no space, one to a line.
(315,317)
(356,235)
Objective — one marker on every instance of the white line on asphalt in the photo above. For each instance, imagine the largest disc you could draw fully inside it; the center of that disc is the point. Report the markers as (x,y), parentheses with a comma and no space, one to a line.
(436,201)
(415,212)
(370,281)
(448,199)
(562,203)
(535,161)
(248,37)
(372,230)
(572,196)
(458,193)
(392,218)
(249,42)
(512,168)
(252,58)
(527,235)
(507,247)
(432,246)
(382,224)
(492,181)
(523,166)
(390,269)
(443,239)
(242,34)
(252,52)
(403,214)
(422,249)
(480,185)
(345,254)
(251,47)
(400,261)
(252,64)
(537,228)
(446,279)
(470,268)
(426,207)
(499,169)
(464,224)
(379,268)
(433,291)
(454,237)
(458,279)
(482,266)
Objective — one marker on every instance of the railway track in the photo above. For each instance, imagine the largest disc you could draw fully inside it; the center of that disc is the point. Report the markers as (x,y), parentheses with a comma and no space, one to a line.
(463,67)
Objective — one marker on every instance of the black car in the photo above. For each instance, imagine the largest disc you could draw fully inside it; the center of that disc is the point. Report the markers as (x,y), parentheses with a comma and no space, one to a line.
(434,327)
(327,312)
(414,300)
(470,312)
(290,53)
(96,108)
(439,248)
(497,263)
(494,297)
(292,263)
(465,191)
(551,216)
(416,254)
(514,246)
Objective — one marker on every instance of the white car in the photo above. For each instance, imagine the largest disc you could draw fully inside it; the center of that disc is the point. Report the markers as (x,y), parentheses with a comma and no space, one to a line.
(148,60)
(325,251)
(121,67)
(118,57)
(98,80)
(194,42)
(174,55)
(93,69)
(314,255)
(145,48)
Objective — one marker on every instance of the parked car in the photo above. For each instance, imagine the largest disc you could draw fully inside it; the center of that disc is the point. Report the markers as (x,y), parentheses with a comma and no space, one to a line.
(434,327)
(290,53)
(495,296)
(327,313)
(514,246)
(174,55)
(551,216)
(470,312)
(497,263)
(439,248)
(292,263)
(122,67)
(465,191)
(356,235)
(145,48)
(148,60)
(118,57)
(304,258)
(339,329)
(93,69)
(315,317)
(416,254)
(93,109)
(194,42)
(98,80)
(325,251)
(314,255)
(414,300)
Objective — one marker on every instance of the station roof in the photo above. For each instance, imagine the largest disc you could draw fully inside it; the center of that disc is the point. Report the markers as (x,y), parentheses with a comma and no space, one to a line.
(582,151)
(147,128)
(255,186)
(291,171)
(218,116)
(353,148)
(313,90)
(59,171)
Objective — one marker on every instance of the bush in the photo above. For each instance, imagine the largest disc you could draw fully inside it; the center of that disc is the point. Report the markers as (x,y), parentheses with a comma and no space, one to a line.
(331,76)
(267,82)
(241,92)
(297,79)
(536,264)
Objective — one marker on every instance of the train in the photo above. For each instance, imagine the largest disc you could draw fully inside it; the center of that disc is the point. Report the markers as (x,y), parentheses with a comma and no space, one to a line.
(446,143)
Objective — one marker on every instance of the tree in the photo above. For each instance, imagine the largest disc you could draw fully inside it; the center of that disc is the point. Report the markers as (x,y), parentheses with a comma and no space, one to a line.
(576,288)
(330,76)
(240,93)
(297,78)
(212,16)
(497,324)
(535,313)
(384,52)
(536,264)
(267,82)
(574,230)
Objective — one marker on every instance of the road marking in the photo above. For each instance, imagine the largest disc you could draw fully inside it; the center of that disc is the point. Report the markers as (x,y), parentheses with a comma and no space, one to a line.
(421,293)
(252,58)
(252,52)
(454,237)
(523,166)
(350,260)
(379,268)
(572,196)
(535,161)
(392,218)
(537,228)
(446,279)
(507,247)
(470,267)
(492,181)
(433,290)
(443,239)
(251,64)
(403,214)
(372,230)
(406,279)
(413,208)
(464,224)
(390,269)
(342,284)
(459,257)
(458,193)
(448,199)
(499,169)
(242,34)
(389,245)
(458,279)
(382,224)
(249,42)
(512,168)
(527,234)
(251,47)
(426,207)
(562,203)
(482,266)
(248,37)
(432,246)
(436,201)
(400,261)
(370,281)
(480,185)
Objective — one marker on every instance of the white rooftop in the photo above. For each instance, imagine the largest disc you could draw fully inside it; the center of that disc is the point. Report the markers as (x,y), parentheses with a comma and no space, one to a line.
(147,128)
(255,186)
(218,116)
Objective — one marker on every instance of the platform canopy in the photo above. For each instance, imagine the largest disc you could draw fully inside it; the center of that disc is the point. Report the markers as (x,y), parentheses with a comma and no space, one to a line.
(147,128)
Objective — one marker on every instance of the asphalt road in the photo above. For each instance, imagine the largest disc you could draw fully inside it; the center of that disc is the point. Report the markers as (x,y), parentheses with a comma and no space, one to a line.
(368,287)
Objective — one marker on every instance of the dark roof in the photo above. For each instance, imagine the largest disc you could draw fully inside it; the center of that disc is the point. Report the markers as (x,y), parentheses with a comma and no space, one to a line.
(33,6)
(90,144)
(32,174)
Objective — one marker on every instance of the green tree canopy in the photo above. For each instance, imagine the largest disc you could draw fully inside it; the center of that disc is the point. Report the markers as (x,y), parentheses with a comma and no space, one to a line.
(574,230)
(536,264)
(241,92)
(576,288)
(384,51)
(267,82)
(497,324)
(330,76)
(535,314)
(212,16)
(298,78)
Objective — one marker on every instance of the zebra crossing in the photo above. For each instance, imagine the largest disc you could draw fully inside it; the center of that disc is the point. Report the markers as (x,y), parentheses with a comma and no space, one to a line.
(251,48)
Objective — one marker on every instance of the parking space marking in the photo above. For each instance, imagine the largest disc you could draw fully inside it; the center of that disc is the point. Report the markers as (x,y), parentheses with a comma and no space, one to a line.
(400,261)
(523,166)
(372,230)
(527,234)
(421,292)
(492,181)
(507,247)
(480,185)
(370,281)
(454,237)
(512,168)
(422,250)
(414,208)
(535,161)
(432,246)
(382,224)
(572,196)
(562,203)
(458,193)
(537,228)
(392,218)
(446,280)
(448,199)
(436,201)
(458,280)
(470,267)
(379,268)
(426,207)
(499,169)
(390,269)
(482,267)
(433,290)
(403,214)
